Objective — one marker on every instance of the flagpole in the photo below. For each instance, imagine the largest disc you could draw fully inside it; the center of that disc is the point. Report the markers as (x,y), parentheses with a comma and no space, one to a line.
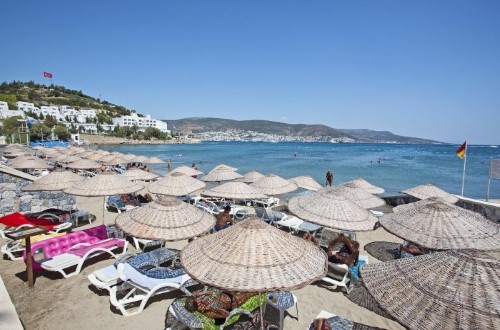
(463,173)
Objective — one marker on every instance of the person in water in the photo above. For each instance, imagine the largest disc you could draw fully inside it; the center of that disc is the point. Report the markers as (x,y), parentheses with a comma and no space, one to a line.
(329,178)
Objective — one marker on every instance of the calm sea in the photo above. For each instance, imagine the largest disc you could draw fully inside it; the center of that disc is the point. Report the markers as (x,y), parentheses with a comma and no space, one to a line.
(394,167)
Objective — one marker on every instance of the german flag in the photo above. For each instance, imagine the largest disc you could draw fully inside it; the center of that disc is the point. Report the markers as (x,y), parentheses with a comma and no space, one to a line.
(461,150)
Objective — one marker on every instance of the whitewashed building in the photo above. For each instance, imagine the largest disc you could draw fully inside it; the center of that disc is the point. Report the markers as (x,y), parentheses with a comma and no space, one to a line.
(52,110)
(10,113)
(26,106)
(141,122)
(88,113)
(4,105)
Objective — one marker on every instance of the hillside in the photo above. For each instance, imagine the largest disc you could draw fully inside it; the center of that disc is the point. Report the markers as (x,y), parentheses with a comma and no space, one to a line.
(42,95)
(366,135)
(205,124)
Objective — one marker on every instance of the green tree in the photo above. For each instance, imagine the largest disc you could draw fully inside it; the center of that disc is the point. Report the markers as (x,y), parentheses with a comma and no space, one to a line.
(62,132)
(152,132)
(11,128)
(50,121)
(39,132)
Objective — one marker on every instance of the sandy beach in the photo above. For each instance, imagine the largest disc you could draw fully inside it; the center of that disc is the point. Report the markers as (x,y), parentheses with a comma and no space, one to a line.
(58,303)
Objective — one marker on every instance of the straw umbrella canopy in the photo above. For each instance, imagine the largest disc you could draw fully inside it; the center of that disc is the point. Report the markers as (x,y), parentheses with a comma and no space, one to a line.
(28,162)
(116,161)
(443,226)
(167,219)
(84,164)
(330,208)
(129,156)
(274,185)
(221,173)
(306,182)
(445,290)
(234,190)
(360,196)
(365,185)
(107,158)
(175,184)
(251,176)
(254,256)
(138,159)
(69,159)
(154,160)
(186,170)
(104,184)
(96,156)
(419,203)
(428,190)
(135,174)
(54,181)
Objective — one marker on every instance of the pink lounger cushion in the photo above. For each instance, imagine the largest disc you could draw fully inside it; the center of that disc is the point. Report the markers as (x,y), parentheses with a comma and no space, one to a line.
(106,244)
(58,245)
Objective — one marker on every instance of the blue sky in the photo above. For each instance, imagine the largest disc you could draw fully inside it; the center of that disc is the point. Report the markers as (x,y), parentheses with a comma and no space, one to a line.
(422,68)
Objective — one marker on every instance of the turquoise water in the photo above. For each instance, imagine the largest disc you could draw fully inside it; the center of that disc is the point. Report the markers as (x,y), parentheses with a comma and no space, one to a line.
(401,167)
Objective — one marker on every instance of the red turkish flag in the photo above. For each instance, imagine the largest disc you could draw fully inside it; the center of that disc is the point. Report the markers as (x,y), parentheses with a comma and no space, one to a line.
(47,75)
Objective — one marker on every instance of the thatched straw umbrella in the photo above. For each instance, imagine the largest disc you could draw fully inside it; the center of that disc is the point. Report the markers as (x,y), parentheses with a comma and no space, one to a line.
(154,160)
(138,159)
(186,170)
(105,184)
(306,182)
(221,173)
(136,174)
(428,190)
(175,184)
(116,161)
(365,185)
(445,290)
(360,196)
(28,162)
(167,219)
(234,190)
(254,256)
(274,185)
(250,177)
(443,226)
(330,208)
(84,164)
(54,181)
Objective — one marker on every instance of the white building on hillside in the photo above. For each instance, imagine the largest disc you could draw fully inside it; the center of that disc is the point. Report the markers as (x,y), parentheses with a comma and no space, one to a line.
(26,106)
(141,122)
(52,110)
(4,105)
(10,113)
(88,113)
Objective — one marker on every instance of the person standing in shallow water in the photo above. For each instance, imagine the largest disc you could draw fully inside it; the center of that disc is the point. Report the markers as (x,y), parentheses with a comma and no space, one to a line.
(169,165)
(329,178)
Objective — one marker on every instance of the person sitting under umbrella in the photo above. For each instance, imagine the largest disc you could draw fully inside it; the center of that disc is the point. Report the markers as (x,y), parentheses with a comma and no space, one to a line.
(224,219)
(348,253)
(410,249)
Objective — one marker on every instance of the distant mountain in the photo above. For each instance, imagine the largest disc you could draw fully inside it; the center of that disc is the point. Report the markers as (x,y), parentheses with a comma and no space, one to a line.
(206,124)
(366,135)
(198,125)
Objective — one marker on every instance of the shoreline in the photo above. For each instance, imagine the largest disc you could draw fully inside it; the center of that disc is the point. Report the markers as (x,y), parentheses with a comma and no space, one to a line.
(90,139)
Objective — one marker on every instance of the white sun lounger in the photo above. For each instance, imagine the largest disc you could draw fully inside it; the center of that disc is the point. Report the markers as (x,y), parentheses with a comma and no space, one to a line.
(139,288)
(296,225)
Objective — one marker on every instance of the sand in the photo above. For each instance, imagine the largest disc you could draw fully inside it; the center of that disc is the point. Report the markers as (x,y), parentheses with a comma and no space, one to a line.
(58,303)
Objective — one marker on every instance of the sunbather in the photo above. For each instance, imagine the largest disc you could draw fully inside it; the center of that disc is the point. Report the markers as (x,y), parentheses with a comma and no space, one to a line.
(224,219)
(348,253)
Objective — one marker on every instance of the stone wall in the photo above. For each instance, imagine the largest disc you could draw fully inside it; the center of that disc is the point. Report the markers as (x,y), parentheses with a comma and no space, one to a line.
(12,199)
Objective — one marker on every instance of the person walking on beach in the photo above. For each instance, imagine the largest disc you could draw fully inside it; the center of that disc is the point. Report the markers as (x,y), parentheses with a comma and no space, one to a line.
(329,178)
